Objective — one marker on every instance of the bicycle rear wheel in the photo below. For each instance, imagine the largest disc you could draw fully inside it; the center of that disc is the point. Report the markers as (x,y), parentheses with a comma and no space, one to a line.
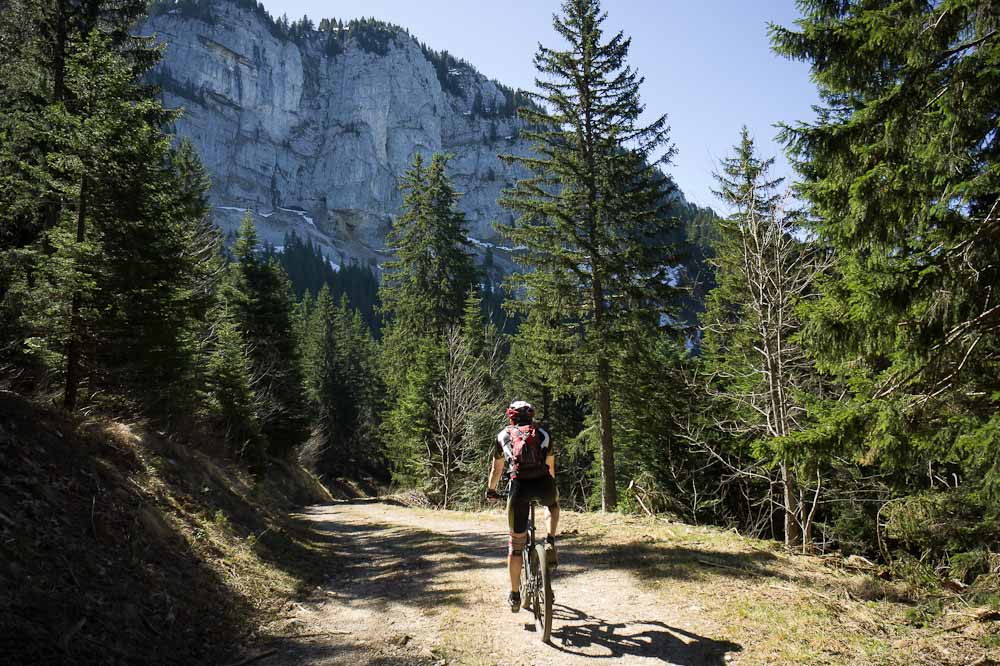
(543,595)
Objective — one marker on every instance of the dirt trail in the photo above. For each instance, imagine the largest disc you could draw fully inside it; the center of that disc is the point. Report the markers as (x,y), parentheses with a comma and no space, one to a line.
(416,587)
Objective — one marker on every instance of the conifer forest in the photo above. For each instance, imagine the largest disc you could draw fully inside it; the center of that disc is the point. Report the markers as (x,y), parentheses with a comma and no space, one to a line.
(817,365)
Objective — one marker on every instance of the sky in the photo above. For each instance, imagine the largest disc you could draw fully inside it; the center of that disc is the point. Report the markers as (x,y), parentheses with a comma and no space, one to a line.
(707,63)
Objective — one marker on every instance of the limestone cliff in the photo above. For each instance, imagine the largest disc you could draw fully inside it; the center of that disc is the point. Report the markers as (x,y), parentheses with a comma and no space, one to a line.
(311,129)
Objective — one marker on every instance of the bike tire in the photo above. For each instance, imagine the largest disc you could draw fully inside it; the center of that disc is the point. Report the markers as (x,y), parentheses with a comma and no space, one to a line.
(543,600)
(526,595)
(525,587)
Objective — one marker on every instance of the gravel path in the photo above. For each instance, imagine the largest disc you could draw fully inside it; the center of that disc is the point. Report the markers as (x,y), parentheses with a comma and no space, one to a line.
(425,588)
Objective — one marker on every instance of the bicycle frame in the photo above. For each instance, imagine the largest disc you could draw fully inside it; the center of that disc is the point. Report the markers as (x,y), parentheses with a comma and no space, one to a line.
(536,581)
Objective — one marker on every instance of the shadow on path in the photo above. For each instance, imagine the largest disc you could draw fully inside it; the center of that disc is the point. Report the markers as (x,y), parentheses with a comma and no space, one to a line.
(577,631)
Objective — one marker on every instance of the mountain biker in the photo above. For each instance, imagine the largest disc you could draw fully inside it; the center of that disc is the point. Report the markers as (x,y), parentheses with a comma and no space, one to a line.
(527,482)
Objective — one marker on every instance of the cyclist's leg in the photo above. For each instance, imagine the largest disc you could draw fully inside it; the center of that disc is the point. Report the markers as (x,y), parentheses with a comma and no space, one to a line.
(549,497)
(517,518)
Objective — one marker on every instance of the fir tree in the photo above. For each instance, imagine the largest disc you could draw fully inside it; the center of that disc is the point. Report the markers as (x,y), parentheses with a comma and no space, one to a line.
(423,295)
(228,391)
(595,212)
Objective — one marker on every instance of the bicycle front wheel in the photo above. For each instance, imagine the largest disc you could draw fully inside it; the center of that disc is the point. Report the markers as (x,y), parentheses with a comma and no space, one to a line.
(543,600)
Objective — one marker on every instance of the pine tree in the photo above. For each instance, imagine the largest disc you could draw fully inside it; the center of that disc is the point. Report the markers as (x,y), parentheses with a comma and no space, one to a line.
(423,295)
(900,171)
(228,391)
(126,270)
(595,213)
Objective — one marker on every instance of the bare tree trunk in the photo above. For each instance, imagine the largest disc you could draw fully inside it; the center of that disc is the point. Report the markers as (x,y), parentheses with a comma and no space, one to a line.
(609,491)
(75,320)
(793,531)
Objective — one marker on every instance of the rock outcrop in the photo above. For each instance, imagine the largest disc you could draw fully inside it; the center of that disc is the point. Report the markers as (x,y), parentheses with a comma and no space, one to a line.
(310,130)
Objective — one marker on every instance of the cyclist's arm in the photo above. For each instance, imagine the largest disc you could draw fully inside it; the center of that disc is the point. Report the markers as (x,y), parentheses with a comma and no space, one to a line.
(495,472)
(550,462)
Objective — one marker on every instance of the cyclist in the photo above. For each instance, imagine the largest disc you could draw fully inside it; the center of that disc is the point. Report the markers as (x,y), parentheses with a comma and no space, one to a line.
(518,445)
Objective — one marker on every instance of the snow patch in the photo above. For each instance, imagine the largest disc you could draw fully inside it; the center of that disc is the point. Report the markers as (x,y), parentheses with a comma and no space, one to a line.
(301,214)
(503,248)
(673,276)
(242,210)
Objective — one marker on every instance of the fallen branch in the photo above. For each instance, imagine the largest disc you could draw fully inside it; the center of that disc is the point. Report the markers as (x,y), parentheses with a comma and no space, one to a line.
(321,633)
(731,568)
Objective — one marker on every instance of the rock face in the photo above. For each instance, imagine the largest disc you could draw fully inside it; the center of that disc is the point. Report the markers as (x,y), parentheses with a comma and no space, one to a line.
(311,131)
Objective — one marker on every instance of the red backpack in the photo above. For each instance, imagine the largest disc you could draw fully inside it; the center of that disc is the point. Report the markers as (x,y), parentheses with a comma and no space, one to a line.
(526,453)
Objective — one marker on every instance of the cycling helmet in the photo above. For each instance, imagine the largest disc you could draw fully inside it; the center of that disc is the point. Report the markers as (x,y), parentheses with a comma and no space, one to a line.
(520,412)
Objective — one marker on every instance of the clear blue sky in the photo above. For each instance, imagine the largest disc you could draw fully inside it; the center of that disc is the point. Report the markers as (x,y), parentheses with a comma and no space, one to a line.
(707,63)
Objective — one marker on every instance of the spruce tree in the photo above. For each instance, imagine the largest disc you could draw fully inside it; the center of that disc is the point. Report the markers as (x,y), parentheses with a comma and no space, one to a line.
(126,267)
(426,283)
(595,213)
(228,392)
(900,171)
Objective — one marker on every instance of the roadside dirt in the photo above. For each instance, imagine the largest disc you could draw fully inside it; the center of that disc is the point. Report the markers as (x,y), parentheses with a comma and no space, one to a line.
(410,587)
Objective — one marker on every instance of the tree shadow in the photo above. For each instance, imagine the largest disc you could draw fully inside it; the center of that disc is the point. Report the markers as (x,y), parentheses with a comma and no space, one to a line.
(580,634)
(662,560)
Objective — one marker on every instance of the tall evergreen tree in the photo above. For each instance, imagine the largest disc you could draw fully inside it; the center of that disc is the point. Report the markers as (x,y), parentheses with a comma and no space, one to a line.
(900,170)
(595,212)
(343,388)
(228,392)
(423,296)
(260,296)
(126,266)
(426,284)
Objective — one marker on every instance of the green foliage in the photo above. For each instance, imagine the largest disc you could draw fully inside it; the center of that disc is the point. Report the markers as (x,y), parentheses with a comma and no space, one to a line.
(425,286)
(228,391)
(309,270)
(342,387)
(116,242)
(424,295)
(409,424)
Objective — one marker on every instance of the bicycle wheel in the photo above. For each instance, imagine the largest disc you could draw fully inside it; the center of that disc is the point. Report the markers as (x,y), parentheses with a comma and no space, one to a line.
(527,594)
(543,595)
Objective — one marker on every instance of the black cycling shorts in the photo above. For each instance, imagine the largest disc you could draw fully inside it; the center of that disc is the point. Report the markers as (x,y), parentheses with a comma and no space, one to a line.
(521,494)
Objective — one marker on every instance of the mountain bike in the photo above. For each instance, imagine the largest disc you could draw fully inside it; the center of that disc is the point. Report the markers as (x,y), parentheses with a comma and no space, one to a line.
(536,578)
